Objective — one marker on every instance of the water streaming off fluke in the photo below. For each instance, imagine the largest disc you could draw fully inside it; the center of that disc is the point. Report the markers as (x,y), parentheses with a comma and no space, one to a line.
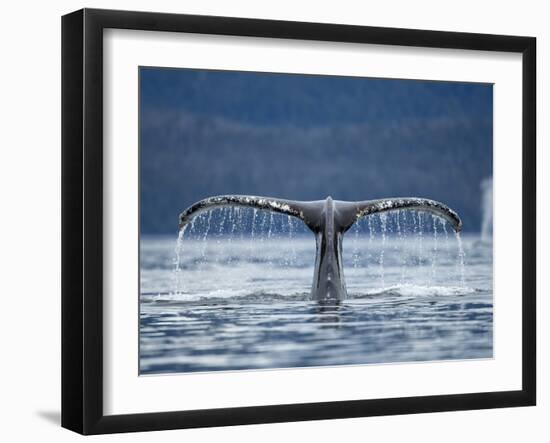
(404,240)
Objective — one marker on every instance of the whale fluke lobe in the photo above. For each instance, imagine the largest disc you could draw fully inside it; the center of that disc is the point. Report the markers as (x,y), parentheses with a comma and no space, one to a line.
(328,219)
(420,204)
(288,207)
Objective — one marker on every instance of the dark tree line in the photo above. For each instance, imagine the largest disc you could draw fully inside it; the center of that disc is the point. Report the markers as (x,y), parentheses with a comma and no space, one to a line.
(189,156)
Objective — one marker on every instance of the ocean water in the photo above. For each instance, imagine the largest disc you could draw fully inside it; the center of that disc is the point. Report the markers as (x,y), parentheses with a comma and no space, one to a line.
(233,294)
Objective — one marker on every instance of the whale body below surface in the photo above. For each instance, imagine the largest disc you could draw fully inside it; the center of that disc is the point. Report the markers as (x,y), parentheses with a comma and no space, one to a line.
(328,219)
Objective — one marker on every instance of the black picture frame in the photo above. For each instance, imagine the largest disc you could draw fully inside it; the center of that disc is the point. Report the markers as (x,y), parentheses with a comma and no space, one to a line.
(82,220)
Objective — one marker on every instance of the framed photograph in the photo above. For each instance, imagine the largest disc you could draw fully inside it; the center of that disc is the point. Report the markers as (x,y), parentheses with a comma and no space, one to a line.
(268,221)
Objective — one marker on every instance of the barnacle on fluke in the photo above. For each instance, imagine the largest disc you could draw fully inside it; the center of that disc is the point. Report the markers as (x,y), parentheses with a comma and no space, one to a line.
(328,219)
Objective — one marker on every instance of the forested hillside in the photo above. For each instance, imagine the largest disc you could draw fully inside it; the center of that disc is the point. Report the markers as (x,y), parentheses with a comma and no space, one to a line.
(205,133)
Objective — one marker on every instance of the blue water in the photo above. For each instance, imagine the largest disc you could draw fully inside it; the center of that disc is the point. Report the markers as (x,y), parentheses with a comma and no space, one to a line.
(238,299)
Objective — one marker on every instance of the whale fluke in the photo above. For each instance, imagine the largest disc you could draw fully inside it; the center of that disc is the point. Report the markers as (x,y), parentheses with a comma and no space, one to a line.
(328,219)
(357,210)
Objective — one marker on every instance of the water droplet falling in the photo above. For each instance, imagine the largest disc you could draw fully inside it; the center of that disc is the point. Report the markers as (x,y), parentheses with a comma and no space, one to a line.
(205,236)
(269,235)
(355,252)
(371,239)
(252,232)
(444,225)
(460,258)
(253,225)
(222,215)
(415,238)
(240,222)
(434,251)
(219,218)
(177,260)
(383,225)
(263,223)
(401,233)
(293,256)
(232,224)
(446,241)
(420,238)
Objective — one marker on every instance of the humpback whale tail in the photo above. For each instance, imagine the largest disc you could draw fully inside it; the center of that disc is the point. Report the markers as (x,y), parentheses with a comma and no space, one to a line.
(328,219)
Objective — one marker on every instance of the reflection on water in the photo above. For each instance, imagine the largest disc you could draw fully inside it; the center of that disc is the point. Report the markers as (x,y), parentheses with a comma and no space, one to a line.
(328,313)
(246,306)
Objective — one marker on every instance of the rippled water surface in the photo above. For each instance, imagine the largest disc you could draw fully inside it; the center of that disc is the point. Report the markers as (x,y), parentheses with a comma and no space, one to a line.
(240,300)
